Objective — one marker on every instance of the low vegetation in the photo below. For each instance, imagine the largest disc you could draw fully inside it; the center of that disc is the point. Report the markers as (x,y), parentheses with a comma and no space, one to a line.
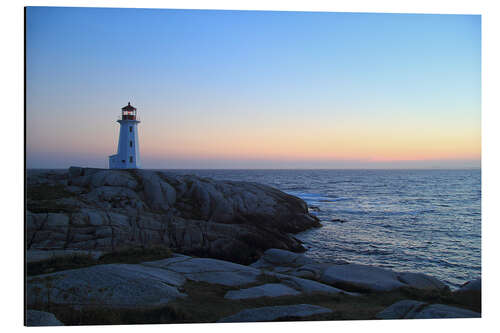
(132,255)
(206,304)
(45,198)
(47,192)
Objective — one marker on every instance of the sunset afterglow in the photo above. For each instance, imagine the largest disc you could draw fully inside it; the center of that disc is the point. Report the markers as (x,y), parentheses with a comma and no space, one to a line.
(229,89)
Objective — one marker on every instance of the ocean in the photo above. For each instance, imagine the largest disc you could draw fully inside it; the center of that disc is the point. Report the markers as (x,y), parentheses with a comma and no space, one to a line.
(426,221)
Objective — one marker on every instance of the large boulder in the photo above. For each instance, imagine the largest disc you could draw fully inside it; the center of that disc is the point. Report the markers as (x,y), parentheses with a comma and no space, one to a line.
(369,278)
(420,281)
(113,285)
(307,286)
(208,270)
(361,277)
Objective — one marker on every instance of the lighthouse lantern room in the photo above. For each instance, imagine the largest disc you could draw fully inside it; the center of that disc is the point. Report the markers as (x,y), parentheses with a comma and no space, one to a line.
(127,156)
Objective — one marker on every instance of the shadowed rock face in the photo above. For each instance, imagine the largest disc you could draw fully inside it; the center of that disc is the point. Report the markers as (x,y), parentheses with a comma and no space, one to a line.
(409,309)
(100,209)
(269,313)
(474,285)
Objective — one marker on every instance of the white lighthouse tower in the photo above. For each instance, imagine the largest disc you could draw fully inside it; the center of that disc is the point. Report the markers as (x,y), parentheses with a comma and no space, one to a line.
(127,156)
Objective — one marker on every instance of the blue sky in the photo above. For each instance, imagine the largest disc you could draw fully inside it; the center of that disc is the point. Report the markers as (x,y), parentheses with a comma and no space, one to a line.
(249,89)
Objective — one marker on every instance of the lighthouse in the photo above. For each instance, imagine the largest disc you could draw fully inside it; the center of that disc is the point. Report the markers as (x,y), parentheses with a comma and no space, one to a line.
(127,156)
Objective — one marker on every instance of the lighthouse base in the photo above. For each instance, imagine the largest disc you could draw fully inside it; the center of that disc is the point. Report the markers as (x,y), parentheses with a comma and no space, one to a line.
(116,163)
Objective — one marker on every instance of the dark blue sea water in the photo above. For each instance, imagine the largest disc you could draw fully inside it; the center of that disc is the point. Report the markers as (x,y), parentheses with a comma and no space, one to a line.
(425,221)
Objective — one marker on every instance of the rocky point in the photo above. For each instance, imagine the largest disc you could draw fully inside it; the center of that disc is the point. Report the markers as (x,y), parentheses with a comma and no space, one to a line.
(99,209)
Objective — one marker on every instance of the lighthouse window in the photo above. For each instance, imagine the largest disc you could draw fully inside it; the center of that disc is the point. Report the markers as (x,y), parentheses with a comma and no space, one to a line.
(130,129)
(131,159)
(130,143)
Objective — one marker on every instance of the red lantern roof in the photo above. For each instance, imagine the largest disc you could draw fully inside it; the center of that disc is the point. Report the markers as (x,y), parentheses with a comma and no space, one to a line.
(128,108)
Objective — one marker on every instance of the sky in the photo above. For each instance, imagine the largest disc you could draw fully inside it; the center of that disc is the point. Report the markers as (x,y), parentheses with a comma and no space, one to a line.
(254,89)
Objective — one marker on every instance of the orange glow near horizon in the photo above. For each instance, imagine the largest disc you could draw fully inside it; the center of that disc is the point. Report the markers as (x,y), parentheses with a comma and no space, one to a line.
(264,136)
(303,139)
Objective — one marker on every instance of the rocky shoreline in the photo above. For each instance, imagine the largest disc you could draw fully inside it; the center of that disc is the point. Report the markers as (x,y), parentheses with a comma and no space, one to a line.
(107,210)
(209,251)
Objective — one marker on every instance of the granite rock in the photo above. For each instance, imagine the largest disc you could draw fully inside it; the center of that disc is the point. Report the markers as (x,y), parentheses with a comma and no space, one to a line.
(208,270)
(100,209)
(369,278)
(265,290)
(409,309)
(112,285)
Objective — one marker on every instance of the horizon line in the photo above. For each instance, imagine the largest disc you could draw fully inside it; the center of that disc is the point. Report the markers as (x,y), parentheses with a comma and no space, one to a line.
(426,168)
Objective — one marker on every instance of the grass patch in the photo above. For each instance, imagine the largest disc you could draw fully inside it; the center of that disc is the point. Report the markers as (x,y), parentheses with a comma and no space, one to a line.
(47,192)
(110,316)
(50,206)
(206,304)
(45,198)
(61,263)
(133,255)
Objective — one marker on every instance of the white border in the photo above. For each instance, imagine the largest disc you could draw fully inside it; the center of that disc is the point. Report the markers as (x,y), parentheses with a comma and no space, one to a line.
(12,161)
